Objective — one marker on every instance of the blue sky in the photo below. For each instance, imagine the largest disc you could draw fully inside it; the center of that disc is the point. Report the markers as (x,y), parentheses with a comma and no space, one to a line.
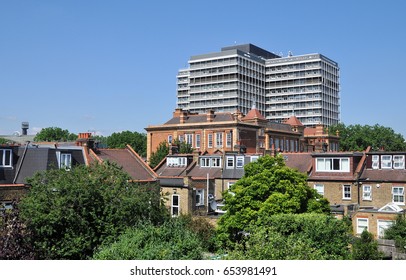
(109,66)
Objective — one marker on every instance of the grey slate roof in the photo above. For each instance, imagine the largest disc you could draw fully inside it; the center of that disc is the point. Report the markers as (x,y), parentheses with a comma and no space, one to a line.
(201,118)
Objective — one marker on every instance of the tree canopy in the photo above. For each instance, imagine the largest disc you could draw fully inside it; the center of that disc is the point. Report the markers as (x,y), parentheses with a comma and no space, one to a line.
(397,232)
(70,213)
(307,236)
(268,187)
(138,141)
(173,240)
(55,134)
(359,137)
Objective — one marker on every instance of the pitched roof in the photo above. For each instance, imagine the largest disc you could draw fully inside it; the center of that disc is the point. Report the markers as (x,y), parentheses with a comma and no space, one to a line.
(202,118)
(253,114)
(300,161)
(293,121)
(130,161)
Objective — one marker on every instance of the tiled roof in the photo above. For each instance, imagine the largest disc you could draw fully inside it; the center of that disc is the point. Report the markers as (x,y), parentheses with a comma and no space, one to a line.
(202,118)
(300,161)
(253,114)
(293,121)
(385,175)
(130,162)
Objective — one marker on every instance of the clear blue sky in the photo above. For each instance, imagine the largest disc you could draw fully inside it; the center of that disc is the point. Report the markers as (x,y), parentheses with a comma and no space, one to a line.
(109,66)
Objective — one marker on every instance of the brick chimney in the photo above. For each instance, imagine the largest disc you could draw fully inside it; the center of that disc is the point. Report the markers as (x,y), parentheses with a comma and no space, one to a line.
(210,115)
(183,117)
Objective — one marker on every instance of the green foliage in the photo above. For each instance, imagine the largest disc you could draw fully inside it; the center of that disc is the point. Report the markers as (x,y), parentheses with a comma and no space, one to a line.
(182,147)
(172,240)
(138,141)
(72,212)
(307,236)
(204,230)
(161,152)
(55,134)
(366,248)
(397,232)
(3,141)
(268,187)
(14,236)
(359,137)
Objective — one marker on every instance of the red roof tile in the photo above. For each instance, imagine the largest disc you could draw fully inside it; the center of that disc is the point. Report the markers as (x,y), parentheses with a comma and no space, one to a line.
(253,114)
(293,121)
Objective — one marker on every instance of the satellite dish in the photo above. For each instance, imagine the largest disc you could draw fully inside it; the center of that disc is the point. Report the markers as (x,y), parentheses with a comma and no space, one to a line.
(213,205)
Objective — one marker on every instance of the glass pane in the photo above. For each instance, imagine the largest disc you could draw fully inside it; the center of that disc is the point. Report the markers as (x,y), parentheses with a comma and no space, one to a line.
(175,200)
(345,164)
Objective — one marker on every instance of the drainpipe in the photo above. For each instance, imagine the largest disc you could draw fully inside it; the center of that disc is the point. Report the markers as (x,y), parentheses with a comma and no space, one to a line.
(21,162)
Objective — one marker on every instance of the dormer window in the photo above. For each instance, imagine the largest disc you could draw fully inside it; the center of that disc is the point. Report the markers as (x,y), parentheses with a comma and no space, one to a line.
(210,162)
(65,161)
(333,165)
(6,158)
(176,161)
(386,161)
(398,161)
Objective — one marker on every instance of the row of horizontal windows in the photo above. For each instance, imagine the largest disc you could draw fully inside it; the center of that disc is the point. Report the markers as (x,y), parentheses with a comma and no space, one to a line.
(388,161)
(398,193)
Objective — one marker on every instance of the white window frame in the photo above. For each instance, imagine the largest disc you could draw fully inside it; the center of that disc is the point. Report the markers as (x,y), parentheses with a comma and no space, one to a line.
(170,139)
(329,164)
(399,161)
(229,184)
(175,209)
(230,162)
(189,139)
(254,158)
(375,162)
(65,161)
(346,192)
(229,139)
(398,195)
(176,161)
(199,197)
(210,140)
(197,139)
(383,225)
(367,192)
(319,188)
(362,224)
(239,162)
(219,139)
(9,161)
(215,162)
(386,161)
(181,138)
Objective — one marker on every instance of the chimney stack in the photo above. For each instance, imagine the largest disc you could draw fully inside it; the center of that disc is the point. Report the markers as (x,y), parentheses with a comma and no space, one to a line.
(210,115)
(24,128)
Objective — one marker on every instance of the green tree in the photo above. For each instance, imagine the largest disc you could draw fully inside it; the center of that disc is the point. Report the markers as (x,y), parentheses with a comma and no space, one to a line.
(359,137)
(3,141)
(172,240)
(182,147)
(70,213)
(138,141)
(366,248)
(397,232)
(307,236)
(55,134)
(268,187)
(161,152)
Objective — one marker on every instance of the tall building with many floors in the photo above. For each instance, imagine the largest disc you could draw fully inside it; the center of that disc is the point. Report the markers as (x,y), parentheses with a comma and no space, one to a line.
(241,77)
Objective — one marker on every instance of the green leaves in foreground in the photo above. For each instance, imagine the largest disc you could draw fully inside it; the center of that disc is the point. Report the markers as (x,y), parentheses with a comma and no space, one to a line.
(70,213)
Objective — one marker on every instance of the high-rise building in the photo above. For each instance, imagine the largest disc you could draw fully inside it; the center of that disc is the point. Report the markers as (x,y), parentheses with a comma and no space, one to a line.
(241,77)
